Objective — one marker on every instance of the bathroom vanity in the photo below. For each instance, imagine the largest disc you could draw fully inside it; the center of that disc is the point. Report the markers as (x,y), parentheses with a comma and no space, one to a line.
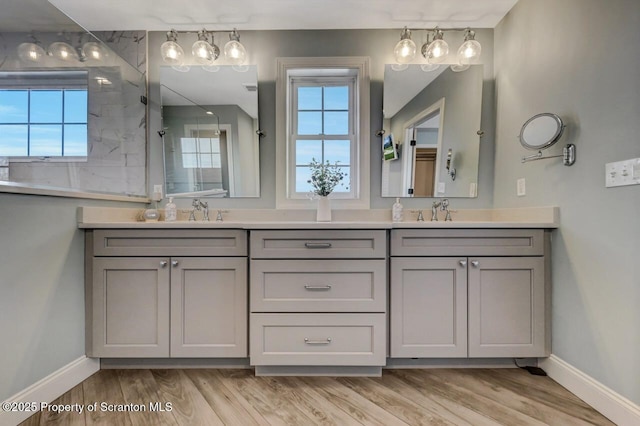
(297,295)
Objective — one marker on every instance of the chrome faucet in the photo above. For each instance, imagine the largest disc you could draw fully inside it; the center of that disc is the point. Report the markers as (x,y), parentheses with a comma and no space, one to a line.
(196,206)
(205,211)
(434,210)
(420,216)
(445,208)
(219,216)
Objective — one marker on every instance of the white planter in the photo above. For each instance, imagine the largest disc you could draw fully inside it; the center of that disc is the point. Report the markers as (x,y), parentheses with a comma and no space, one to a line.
(324,210)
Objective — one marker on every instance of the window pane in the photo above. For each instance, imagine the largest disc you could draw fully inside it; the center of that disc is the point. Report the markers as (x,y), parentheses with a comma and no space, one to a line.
(75,106)
(338,150)
(204,145)
(46,140)
(188,145)
(345,183)
(336,97)
(205,161)
(189,161)
(75,139)
(46,106)
(336,123)
(303,175)
(215,161)
(308,150)
(13,140)
(309,98)
(14,106)
(309,123)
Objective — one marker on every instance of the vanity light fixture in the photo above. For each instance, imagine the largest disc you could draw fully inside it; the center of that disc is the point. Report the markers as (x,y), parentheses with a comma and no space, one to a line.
(31,51)
(204,52)
(63,51)
(405,50)
(171,51)
(469,51)
(436,51)
(94,51)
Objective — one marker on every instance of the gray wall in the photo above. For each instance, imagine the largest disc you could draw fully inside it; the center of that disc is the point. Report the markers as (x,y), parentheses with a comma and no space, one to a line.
(263,47)
(579,59)
(41,287)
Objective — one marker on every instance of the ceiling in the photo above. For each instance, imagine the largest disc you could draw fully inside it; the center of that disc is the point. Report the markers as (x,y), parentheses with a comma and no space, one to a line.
(33,15)
(160,15)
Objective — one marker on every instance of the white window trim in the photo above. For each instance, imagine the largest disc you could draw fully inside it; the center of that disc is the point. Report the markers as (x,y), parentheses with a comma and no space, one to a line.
(284,65)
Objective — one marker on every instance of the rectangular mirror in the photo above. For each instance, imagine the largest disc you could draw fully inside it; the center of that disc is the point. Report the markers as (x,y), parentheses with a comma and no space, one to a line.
(210,125)
(71,110)
(433,118)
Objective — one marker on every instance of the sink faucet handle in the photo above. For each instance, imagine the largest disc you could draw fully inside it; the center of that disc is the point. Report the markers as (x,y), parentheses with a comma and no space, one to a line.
(219,215)
(420,216)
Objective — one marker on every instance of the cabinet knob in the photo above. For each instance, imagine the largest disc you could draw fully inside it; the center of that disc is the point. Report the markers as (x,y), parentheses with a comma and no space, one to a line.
(174,263)
(463,263)
(163,263)
(475,263)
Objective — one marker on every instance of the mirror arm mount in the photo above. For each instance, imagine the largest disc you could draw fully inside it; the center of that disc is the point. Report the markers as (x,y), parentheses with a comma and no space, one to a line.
(568,156)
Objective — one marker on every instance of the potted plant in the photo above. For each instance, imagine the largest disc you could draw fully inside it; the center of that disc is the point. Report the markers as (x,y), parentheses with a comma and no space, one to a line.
(324,179)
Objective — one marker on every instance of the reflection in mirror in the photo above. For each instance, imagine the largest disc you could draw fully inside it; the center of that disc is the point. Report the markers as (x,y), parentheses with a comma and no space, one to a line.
(434,118)
(210,120)
(70,110)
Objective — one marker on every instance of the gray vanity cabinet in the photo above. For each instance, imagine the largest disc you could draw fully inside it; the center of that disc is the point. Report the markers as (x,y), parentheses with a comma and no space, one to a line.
(469,293)
(174,303)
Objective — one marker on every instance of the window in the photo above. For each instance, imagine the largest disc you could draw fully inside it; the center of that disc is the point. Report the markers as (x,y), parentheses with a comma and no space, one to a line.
(200,153)
(43,114)
(322,128)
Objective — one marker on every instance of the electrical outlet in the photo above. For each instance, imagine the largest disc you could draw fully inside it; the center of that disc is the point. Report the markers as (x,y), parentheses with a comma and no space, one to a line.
(473,189)
(521,189)
(441,187)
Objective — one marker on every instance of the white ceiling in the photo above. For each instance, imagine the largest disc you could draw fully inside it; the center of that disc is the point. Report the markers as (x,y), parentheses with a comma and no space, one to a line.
(160,15)
(33,15)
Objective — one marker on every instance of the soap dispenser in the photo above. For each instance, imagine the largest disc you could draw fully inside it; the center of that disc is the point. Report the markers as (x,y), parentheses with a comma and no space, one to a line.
(170,211)
(397,214)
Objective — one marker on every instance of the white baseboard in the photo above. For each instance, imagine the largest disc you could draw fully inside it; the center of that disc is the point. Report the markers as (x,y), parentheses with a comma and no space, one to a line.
(51,387)
(612,405)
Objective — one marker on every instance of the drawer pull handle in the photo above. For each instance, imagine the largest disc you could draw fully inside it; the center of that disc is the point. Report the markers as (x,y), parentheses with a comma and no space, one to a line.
(317,245)
(317,342)
(318,287)
(475,263)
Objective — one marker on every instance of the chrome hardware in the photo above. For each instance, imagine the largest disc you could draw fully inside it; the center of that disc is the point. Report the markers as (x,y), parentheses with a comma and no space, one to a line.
(463,263)
(434,210)
(163,263)
(317,342)
(475,263)
(219,215)
(420,216)
(317,245)
(174,263)
(205,211)
(318,287)
(444,206)
(196,206)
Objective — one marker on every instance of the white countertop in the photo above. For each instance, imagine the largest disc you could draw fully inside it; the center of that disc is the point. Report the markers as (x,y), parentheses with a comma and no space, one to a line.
(126,218)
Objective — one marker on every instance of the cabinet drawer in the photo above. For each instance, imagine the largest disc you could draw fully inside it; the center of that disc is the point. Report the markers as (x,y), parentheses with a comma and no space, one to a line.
(318,286)
(170,242)
(467,242)
(318,244)
(318,339)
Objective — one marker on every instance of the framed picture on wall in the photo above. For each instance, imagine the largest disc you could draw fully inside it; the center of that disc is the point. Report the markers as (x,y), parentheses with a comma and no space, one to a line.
(389,151)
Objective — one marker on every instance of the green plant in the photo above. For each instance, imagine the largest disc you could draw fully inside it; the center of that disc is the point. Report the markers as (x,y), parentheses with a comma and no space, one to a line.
(325,177)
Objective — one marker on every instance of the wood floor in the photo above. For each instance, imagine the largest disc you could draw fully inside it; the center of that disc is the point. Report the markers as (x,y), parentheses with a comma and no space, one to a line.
(472,397)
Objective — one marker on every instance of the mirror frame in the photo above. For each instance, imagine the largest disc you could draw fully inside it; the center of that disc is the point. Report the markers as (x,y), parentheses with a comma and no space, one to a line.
(548,142)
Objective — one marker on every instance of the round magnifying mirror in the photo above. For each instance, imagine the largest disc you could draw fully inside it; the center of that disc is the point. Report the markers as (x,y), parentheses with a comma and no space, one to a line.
(541,131)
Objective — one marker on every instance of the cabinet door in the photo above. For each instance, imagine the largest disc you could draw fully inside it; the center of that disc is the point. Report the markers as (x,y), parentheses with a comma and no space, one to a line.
(209,307)
(130,304)
(507,307)
(428,307)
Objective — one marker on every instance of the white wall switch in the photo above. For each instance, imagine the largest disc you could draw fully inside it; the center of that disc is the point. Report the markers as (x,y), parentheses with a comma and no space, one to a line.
(441,187)
(621,173)
(473,189)
(521,189)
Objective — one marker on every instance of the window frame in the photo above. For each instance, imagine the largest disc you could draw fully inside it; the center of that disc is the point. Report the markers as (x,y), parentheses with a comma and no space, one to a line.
(285,156)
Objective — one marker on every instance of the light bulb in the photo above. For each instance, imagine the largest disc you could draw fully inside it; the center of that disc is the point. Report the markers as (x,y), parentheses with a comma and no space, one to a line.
(30,52)
(63,51)
(234,51)
(405,50)
(469,51)
(436,51)
(93,50)
(170,50)
(203,51)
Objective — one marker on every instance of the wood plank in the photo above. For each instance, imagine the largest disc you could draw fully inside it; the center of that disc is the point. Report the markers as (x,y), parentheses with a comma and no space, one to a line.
(189,407)
(104,386)
(357,406)
(139,387)
(444,407)
(273,407)
(65,418)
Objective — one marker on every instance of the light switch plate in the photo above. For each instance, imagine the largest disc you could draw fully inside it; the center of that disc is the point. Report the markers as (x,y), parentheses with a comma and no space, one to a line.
(622,173)
(521,189)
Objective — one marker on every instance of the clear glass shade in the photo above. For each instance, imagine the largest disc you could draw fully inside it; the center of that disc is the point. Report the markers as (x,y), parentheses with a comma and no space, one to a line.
(429,67)
(172,53)
(436,51)
(405,51)
(235,52)
(63,51)
(460,67)
(94,51)
(469,52)
(30,52)
(204,53)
